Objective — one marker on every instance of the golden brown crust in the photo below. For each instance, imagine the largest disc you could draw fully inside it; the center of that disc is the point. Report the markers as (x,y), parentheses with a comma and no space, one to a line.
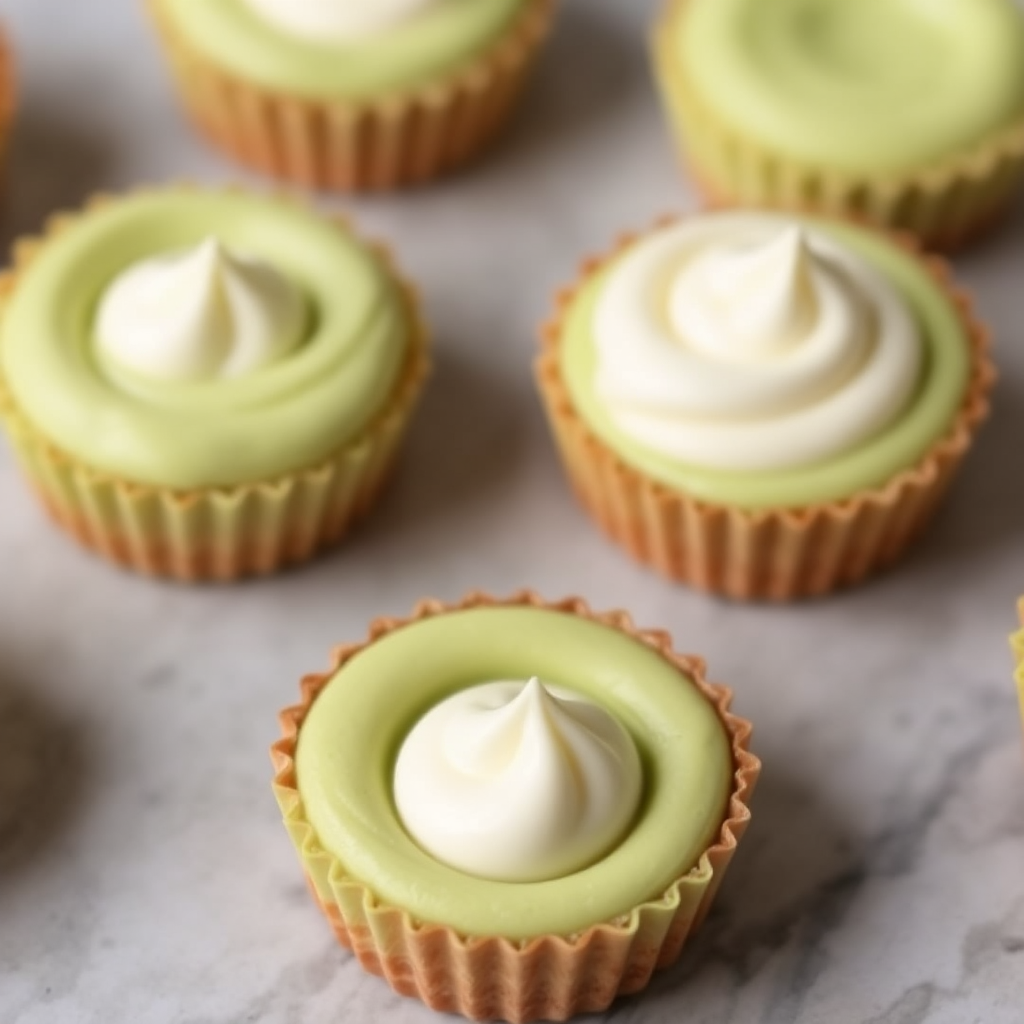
(220,559)
(948,238)
(214,533)
(772,554)
(8,85)
(1017,646)
(551,977)
(8,98)
(360,145)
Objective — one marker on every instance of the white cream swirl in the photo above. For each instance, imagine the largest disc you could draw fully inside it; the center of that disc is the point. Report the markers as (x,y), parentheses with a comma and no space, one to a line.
(751,342)
(517,782)
(337,21)
(207,313)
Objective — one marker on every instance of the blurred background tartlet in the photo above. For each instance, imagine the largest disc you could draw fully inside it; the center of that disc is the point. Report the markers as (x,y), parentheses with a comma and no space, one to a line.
(908,114)
(357,96)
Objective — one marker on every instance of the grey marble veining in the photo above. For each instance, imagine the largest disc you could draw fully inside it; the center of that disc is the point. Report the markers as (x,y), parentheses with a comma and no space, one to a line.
(144,876)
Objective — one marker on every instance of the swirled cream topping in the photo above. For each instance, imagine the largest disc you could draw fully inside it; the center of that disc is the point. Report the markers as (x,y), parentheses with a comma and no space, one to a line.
(517,782)
(337,21)
(203,314)
(751,342)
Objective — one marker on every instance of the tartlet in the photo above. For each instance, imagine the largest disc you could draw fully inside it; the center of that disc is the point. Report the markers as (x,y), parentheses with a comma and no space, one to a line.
(381,109)
(241,426)
(909,115)
(750,472)
(488,949)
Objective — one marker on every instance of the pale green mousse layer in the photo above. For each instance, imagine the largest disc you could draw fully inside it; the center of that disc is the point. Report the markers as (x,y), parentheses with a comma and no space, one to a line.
(349,742)
(425,48)
(925,419)
(282,417)
(857,85)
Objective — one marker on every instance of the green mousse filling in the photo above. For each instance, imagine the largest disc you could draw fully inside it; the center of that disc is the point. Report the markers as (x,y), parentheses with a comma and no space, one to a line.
(349,742)
(899,446)
(425,48)
(870,86)
(282,417)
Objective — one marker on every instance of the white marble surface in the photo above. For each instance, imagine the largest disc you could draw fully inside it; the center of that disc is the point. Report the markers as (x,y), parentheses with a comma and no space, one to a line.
(144,876)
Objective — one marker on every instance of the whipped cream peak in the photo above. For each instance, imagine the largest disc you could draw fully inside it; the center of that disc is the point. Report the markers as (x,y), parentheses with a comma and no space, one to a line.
(206,313)
(783,259)
(527,723)
(209,253)
(337,21)
(774,278)
(517,781)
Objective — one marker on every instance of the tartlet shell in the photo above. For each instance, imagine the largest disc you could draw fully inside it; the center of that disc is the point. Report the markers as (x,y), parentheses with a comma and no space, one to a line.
(770,554)
(946,204)
(359,145)
(213,533)
(1017,646)
(550,977)
(8,93)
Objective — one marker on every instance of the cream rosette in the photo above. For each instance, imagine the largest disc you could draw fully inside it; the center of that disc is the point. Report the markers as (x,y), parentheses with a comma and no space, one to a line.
(206,313)
(749,343)
(517,782)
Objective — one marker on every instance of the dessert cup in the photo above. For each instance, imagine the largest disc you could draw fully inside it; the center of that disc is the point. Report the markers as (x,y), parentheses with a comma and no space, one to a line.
(945,201)
(362,143)
(484,976)
(208,531)
(765,553)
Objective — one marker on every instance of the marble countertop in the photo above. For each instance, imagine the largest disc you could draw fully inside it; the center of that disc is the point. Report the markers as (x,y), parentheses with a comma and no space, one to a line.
(144,875)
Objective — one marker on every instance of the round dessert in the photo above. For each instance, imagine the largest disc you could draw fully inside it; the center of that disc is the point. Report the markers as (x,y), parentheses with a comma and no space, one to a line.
(909,114)
(512,809)
(205,385)
(350,95)
(763,405)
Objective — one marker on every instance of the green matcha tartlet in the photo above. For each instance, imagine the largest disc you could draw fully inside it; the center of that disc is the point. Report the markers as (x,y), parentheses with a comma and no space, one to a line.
(520,773)
(206,385)
(763,405)
(908,114)
(366,95)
